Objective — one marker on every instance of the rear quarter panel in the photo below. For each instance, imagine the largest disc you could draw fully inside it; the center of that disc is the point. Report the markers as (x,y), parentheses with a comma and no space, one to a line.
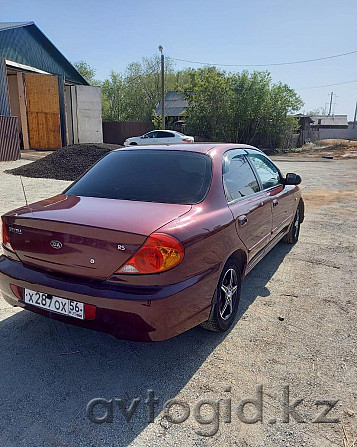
(208,234)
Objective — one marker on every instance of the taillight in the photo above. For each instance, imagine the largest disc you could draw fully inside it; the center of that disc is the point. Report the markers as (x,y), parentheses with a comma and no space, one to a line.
(159,253)
(186,140)
(5,237)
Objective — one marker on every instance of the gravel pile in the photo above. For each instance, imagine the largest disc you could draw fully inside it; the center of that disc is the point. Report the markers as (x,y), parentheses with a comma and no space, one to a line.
(67,163)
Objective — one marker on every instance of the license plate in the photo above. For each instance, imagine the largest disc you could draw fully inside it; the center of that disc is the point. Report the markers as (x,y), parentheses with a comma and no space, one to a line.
(55,304)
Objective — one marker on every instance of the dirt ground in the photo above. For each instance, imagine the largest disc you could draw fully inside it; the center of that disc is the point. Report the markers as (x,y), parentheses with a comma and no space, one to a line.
(331,149)
(296,327)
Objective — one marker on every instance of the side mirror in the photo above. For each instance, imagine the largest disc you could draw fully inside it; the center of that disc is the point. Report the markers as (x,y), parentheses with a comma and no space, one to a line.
(292,179)
(144,136)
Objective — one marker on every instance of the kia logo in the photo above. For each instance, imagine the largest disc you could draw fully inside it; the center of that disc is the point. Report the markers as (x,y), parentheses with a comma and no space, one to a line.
(56,244)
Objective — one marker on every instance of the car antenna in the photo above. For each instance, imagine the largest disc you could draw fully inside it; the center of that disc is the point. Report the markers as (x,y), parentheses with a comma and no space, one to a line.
(23,189)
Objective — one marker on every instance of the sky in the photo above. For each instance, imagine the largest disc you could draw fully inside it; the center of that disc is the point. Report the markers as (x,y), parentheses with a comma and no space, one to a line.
(109,34)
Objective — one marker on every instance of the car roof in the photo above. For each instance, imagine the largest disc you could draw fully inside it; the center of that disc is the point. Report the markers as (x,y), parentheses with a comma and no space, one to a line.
(202,148)
(162,130)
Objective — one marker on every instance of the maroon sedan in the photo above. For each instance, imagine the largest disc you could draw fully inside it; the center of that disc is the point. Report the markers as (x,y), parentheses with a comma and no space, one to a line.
(150,242)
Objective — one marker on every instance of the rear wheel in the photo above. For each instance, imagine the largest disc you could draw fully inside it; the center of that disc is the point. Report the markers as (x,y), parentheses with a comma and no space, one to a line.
(227,296)
(293,234)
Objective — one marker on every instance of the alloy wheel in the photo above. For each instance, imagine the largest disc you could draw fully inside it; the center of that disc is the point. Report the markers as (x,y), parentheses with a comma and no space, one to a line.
(297,223)
(228,293)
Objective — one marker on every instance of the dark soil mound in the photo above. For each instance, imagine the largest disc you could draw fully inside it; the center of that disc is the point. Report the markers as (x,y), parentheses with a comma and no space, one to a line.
(67,163)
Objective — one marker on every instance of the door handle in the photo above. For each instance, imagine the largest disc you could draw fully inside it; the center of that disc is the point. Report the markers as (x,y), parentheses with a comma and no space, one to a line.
(242,220)
(275,203)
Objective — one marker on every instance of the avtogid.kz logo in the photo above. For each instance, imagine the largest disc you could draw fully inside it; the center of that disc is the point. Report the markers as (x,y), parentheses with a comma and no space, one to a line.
(209,413)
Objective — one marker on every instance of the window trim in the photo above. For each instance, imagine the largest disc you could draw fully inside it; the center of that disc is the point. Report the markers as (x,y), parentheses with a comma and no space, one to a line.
(256,171)
(244,155)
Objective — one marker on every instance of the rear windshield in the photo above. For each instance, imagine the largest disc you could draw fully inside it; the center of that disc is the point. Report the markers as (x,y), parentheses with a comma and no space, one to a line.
(149,176)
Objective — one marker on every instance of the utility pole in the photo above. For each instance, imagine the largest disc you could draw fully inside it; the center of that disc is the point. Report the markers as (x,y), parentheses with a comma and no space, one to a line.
(354,119)
(329,112)
(162,86)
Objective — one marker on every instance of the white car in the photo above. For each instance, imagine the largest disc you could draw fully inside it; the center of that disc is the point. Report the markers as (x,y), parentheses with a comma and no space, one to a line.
(159,137)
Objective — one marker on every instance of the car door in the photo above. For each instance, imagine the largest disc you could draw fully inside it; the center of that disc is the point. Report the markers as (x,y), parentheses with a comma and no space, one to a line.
(250,206)
(272,183)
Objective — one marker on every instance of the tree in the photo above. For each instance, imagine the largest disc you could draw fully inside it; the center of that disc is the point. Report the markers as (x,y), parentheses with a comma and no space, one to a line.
(318,111)
(283,103)
(135,94)
(262,110)
(87,72)
(241,108)
(114,98)
(143,86)
(250,105)
(244,107)
(208,94)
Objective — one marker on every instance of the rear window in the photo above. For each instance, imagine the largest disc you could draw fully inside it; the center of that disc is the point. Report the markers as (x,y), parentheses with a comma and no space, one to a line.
(149,176)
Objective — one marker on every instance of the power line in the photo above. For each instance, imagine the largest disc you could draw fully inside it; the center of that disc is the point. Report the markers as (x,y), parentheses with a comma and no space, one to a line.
(327,85)
(267,65)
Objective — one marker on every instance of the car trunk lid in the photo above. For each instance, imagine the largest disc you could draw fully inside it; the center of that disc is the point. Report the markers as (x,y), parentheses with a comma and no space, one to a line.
(85,236)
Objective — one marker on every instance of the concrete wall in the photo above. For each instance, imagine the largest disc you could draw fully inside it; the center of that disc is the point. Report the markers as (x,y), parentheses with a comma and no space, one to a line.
(83,114)
(329,120)
(347,134)
(89,114)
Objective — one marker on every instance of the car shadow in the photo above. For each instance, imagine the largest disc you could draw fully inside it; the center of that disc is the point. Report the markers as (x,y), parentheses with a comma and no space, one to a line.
(254,283)
(50,371)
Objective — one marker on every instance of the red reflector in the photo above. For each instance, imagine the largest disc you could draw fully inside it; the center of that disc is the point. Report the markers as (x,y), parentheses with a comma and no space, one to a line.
(89,311)
(17,290)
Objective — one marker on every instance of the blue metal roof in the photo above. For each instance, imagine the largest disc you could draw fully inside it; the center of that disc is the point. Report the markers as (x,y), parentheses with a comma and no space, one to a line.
(7,25)
(25,43)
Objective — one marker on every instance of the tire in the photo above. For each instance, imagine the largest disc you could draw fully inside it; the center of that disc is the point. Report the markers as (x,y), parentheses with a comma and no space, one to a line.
(292,236)
(133,144)
(225,305)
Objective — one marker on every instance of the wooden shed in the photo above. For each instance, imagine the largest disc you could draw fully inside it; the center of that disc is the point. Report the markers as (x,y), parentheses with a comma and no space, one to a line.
(53,104)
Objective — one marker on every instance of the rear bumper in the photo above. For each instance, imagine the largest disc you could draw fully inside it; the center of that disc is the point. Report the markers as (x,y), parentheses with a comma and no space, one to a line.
(138,313)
